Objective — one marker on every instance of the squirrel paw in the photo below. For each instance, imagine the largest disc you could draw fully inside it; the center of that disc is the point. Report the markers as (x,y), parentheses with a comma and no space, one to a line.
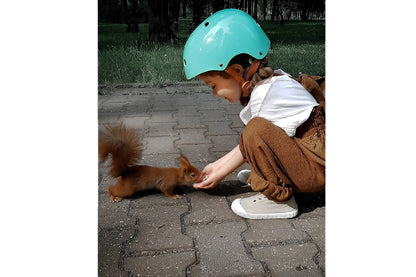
(115,198)
(176,196)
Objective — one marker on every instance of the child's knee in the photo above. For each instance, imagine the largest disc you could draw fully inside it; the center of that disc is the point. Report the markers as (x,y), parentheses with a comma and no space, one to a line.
(256,127)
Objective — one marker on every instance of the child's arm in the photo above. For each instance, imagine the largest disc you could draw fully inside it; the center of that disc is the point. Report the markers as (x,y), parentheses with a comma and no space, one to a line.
(214,172)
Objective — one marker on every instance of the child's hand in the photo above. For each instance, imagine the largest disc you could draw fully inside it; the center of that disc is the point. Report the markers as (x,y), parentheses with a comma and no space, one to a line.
(209,178)
(213,173)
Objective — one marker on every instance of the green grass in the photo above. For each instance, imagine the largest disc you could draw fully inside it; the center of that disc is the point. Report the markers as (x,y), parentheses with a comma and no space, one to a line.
(128,58)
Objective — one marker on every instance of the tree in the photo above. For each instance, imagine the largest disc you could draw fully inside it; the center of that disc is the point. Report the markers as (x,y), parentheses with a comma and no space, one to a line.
(173,14)
(184,3)
(159,24)
(264,9)
(198,7)
(277,14)
(309,7)
(217,5)
(131,15)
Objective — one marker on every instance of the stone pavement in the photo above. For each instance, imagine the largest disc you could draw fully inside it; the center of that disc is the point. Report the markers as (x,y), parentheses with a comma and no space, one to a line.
(198,235)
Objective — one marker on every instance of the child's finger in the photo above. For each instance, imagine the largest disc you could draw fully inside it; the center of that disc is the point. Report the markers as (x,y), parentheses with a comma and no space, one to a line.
(203,183)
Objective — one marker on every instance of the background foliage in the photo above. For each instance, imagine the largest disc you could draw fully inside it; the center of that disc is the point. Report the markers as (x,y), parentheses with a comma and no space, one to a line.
(127,54)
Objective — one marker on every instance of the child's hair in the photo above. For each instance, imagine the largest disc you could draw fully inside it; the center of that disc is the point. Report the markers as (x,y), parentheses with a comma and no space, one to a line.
(245,60)
(263,72)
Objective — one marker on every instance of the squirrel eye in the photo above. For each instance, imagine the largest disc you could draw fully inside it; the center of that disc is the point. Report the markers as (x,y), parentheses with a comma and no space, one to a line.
(192,175)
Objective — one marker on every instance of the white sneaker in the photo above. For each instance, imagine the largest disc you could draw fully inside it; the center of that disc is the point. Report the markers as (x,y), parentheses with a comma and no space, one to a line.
(243,175)
(259,207)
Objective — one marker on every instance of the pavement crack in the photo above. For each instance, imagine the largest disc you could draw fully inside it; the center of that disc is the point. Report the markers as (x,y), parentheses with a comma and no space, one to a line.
(123,251)
(247,247)
(194,242)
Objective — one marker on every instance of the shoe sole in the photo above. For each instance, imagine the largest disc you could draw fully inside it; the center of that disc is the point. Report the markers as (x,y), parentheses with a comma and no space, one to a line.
(238,209)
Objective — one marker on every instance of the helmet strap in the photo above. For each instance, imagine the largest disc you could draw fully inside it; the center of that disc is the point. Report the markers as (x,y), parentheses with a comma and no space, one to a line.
(244,83)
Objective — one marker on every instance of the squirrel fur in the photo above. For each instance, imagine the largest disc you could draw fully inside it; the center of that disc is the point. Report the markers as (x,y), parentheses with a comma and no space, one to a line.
(126,151)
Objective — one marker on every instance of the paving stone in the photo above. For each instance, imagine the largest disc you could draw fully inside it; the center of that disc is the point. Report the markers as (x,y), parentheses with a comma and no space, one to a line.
(224,143)
(160,145)
(212,114)
(164,105)
(110,243)
(140,103)
(114,104)
(159,229)
(172,264)
(154,199)
(139,100)
(135,122)
(106,180)
(192,136)
(235,122)
(289,260)
(108,116)
(203,98)
(185,101)
(273,231)
(233,109)
(113,214)
(209,209)
(150,234)
(162,129)
(216,128)
(160,116)
(196,152)
(188,121)
(161,159)
(221,251)
(315,227)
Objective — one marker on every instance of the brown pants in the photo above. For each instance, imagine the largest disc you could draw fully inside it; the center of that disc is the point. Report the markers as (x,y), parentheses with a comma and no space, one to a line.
(281,164)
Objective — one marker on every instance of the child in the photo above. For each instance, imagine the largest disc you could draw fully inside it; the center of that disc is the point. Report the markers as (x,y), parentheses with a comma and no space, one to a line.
(284,137)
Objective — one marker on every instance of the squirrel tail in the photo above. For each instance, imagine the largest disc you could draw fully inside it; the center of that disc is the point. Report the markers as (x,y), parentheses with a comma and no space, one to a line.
(124,146)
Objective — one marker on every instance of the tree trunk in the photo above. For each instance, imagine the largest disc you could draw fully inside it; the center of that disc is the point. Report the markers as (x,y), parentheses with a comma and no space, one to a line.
(304,10)
(197,10)
(241,5)
(174,7)
(264,9)
(249,9)
(159,26)
(133,17)
(274,6)
(217,5)
(184,8)
(277,14)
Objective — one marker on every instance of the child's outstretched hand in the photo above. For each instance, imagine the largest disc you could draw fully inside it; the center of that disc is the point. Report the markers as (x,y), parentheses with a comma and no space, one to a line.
(210,178)
(214,172)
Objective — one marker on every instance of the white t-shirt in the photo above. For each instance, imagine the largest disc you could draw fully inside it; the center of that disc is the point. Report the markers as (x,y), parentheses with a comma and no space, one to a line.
(282,100)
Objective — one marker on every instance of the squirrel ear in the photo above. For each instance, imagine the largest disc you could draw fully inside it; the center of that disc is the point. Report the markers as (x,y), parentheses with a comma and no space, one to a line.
(184,161)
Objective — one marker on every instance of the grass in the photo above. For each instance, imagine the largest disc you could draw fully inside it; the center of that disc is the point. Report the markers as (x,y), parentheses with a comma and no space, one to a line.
(128,57)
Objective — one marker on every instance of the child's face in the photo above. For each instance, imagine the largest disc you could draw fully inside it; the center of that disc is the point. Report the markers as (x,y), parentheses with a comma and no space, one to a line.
(226,88)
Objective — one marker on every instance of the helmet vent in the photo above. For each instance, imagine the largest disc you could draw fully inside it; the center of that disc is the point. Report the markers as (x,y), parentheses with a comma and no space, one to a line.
(261,53)
(184,62)
(206,24)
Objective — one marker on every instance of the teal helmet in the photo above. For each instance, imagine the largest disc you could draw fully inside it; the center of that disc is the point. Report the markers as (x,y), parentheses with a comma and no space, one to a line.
(219,38)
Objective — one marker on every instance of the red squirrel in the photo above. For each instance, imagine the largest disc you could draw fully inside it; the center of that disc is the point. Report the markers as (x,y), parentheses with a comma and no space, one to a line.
(126,151)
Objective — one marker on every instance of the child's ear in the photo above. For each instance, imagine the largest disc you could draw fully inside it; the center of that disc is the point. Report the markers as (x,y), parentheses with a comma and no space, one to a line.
(237,68)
